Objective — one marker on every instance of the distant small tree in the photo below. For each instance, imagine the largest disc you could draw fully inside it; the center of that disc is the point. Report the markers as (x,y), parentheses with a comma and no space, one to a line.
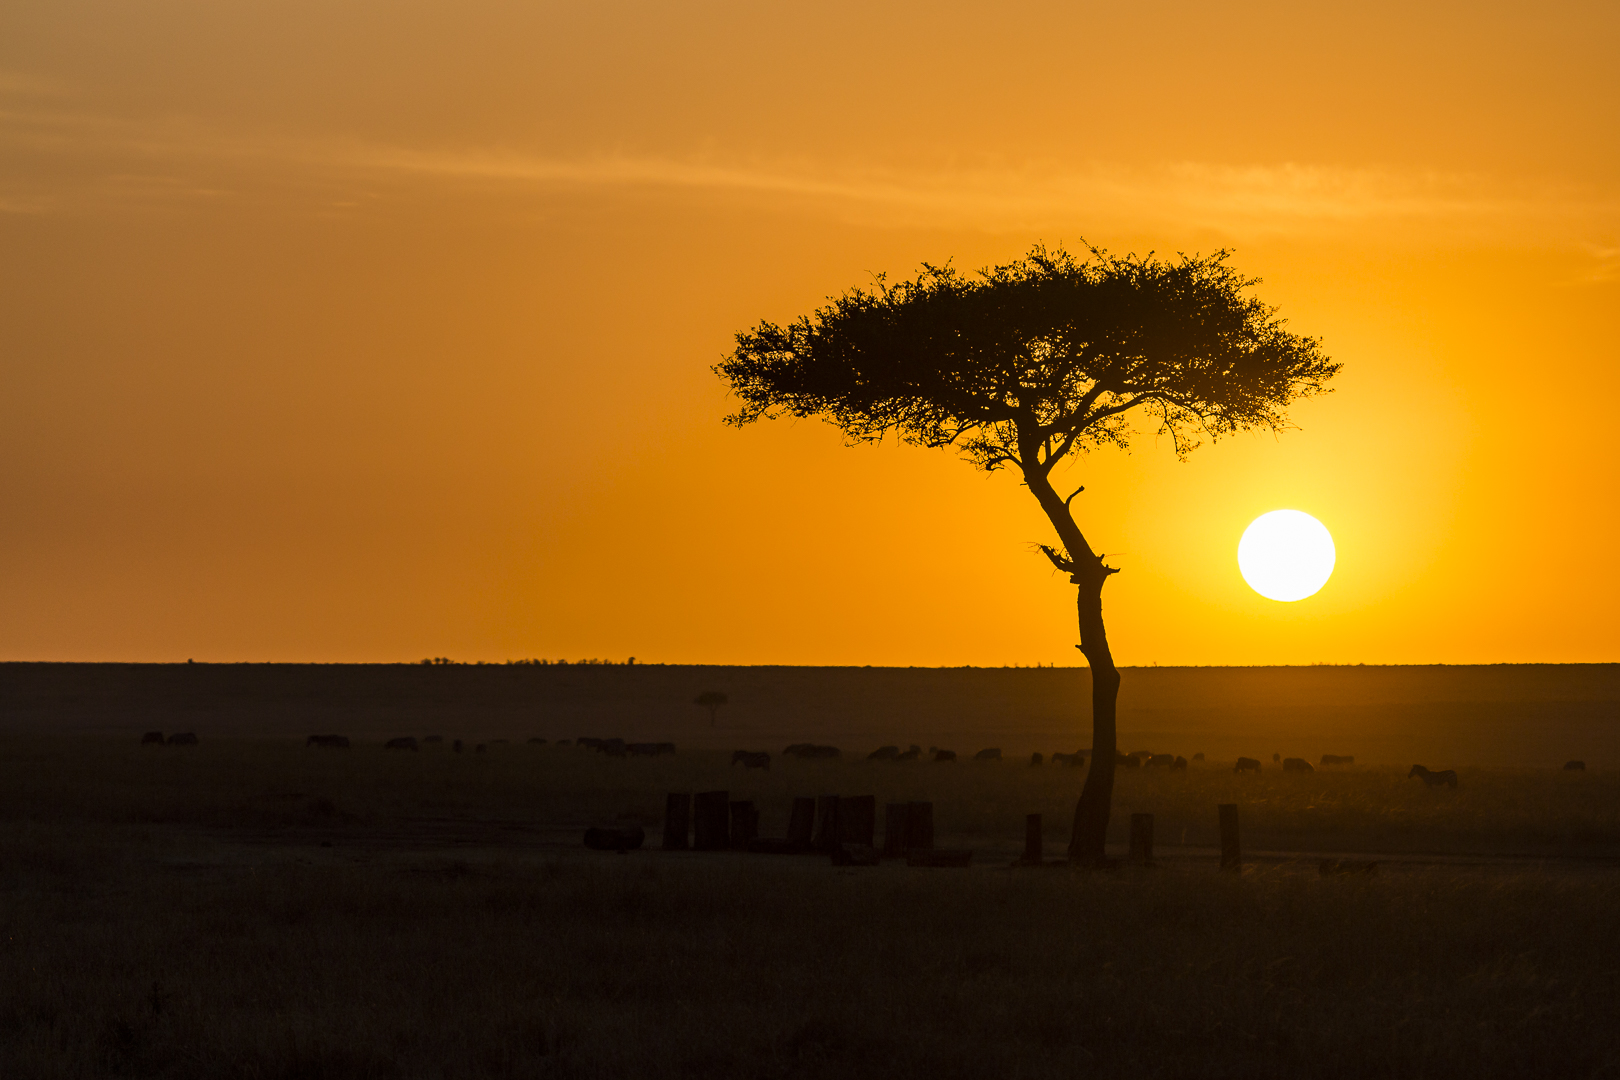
(711,700)
(1028,364)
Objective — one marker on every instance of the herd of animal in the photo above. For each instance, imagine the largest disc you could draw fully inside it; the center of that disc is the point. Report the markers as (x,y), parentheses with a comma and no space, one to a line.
(761,759)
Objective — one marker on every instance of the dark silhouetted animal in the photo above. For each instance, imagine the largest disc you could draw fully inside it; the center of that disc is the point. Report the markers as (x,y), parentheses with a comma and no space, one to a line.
(152,738)
(1246,764)
(1276,758)
(649,749)
(1179,763)
(1036,759)
(944,755)
(1574,766)
(1127,761)
(404,742)
(910,755)
(1198,757)
(1338,759)
(328,742)
(1160,761)
(993,754)
(589,743)
(182,738)
(1297,764)
(1434,779)
(1073,761)
(884,753)
(811,751)
(751,759)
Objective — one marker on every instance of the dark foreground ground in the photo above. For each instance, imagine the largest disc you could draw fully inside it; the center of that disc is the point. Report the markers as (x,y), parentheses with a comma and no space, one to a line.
(256,909)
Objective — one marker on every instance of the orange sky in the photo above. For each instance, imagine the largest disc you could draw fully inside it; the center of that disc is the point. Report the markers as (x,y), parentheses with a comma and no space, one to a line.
(374,331)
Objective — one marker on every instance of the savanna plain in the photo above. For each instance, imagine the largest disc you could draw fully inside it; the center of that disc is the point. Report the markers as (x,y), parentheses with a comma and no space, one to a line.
(252,907)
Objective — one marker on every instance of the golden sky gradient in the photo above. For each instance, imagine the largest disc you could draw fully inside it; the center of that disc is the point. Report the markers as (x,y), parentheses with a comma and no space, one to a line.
(374,331)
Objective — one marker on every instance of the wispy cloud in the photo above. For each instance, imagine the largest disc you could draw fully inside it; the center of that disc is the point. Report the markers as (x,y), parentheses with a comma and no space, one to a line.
(175,159)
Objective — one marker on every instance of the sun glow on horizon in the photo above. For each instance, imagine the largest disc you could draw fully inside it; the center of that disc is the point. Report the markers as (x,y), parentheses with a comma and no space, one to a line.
(1286,555)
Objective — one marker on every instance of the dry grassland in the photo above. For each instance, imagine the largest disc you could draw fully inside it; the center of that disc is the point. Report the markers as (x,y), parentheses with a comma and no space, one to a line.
(175,913)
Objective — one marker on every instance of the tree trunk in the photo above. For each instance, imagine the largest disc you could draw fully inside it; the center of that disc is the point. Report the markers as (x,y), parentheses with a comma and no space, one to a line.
(1087,845)
(1089,575)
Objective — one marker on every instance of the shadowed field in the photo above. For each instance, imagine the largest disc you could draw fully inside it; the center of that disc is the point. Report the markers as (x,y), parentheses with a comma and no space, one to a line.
(1498,715)
(255,908)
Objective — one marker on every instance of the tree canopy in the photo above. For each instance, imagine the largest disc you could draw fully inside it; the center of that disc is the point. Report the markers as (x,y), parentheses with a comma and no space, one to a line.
(1025,363)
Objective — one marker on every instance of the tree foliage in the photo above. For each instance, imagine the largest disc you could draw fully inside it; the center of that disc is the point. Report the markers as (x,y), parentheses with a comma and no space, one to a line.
(1025,363)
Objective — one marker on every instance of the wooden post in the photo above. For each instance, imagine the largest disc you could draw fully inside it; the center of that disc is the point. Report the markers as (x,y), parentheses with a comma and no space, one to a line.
(802,823)
(896,822)
(711,820)
(1034,849)
(1142,839)
(677,820)
(826,823)
(857,822)
(744,824)
(920,826)
(1231,852)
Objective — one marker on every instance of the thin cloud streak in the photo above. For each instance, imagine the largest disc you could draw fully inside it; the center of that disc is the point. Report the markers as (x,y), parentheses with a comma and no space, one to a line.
(137,160)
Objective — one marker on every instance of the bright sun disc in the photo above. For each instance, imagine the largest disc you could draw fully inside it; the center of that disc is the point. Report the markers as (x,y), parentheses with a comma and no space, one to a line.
(1286,555)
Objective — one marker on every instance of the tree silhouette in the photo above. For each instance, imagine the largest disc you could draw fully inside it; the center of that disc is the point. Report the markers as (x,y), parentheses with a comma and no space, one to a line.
(711,700)
(1026,365)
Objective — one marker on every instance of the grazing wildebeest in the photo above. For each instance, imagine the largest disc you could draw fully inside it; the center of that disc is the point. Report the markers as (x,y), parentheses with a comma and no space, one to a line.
(1574,766)
(1434,779)
(752,759)
(328,742)
(1036,759)
(944,755)
(1073,761)
(152,738)
(884,753)
(1297,764)
(1246,764)
(1198,757)
(1160,761)
(811,750)
(1127,761)
(589,743)
(993,754)
(1338,759)
(1179,763)
(182,738)
(910,755)
(403,742)
(1276,758)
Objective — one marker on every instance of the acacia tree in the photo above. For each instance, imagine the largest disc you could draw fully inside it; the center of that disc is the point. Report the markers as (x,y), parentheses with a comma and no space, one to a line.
(1029,364)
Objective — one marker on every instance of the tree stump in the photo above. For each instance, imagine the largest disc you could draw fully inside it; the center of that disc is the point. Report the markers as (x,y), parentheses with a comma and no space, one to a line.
(827,834)
(919,826)
(677,821)
(802,823)
(1034,848)
(857,822)
(1142,839)
(744,824)
(1231,851)
(711,820)
(896,821)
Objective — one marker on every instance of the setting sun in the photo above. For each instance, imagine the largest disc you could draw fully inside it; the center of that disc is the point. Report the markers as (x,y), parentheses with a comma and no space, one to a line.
(1286,555)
